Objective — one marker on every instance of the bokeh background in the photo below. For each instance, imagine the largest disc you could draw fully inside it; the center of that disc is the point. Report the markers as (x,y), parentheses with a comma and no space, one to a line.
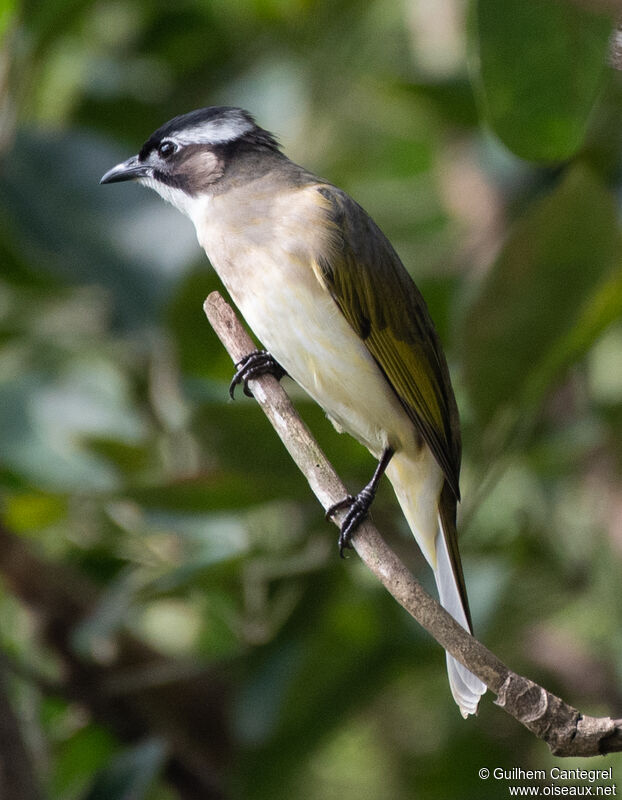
(175,623)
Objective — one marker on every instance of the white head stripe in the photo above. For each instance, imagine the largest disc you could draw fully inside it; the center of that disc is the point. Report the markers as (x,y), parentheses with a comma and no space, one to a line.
(215,131)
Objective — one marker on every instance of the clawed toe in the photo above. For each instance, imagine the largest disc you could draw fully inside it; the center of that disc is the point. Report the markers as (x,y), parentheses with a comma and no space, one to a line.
(345,503)
(358,505)
(358,509)
(257,363)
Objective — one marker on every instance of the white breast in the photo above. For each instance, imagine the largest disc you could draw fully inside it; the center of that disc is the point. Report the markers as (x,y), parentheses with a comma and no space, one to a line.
(266,262)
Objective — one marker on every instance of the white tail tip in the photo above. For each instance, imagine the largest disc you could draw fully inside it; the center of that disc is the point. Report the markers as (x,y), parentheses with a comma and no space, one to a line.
(465,687)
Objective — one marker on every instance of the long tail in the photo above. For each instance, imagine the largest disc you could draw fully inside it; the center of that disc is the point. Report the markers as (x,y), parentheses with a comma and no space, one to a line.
(418,495)
(465,687)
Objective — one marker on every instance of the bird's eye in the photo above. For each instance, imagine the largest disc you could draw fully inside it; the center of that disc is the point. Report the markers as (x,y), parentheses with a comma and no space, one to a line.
(166,149)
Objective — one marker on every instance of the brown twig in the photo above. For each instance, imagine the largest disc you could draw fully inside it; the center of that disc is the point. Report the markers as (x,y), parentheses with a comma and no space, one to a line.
(562,727)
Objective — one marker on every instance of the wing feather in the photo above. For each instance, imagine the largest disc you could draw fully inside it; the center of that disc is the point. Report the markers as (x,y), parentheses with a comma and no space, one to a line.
(377,296)
(379,299)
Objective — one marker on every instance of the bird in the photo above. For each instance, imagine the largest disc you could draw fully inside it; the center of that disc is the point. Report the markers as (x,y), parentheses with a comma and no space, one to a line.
(327,295)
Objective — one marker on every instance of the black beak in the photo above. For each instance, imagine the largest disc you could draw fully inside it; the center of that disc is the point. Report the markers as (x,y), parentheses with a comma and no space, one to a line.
(128,170)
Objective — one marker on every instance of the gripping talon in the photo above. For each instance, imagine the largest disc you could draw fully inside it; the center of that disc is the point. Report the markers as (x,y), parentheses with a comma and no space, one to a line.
(358,509)
(257,363)
(358,505)
(345,503)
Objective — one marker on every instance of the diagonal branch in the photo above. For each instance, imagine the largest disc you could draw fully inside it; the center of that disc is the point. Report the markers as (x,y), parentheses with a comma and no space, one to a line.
(562,727)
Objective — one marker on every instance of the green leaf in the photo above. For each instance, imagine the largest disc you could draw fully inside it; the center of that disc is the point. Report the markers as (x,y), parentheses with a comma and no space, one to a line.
(540,65)
(32,510)
(8,14)
(602,308)
(453,100)
(200,352)
(78,753)
(553,289)
(217,491)
(131,774)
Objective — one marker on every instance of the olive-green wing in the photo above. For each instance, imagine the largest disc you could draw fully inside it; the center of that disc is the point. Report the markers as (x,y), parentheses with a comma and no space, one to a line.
(379,299)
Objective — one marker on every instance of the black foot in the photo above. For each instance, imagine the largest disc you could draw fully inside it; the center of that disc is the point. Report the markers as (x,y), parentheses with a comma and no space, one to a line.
(358,508)
(358,505)
(259,362)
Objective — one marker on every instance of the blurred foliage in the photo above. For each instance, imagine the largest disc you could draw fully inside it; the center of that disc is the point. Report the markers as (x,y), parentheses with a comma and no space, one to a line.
(485,141)
(540,112)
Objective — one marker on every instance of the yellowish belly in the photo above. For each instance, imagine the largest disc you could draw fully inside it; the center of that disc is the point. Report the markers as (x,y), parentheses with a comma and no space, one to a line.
(300,324)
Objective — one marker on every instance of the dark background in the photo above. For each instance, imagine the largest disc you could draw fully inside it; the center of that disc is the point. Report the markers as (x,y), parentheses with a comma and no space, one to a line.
(174,619)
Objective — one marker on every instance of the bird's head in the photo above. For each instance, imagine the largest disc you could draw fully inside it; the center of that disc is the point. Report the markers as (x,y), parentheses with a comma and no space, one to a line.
(187,156)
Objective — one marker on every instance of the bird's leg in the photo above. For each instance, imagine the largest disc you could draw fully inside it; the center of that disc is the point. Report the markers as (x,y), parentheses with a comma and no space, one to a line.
(358,505)
(257,363)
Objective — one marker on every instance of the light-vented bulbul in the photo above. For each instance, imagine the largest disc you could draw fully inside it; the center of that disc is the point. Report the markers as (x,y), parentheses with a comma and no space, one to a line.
(325,292)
